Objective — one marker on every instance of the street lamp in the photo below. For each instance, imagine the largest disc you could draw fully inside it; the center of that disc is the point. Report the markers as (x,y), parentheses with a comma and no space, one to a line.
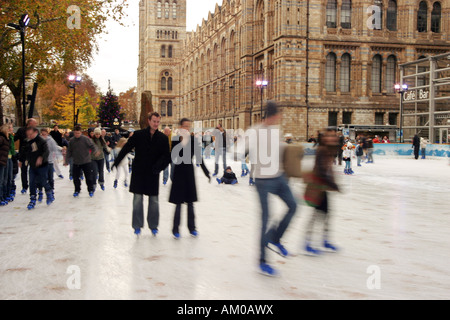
(74,80)
(401,88)
(24,21)
(262,84)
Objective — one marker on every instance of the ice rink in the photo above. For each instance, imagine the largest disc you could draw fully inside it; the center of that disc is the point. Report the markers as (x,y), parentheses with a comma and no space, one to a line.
(391,223)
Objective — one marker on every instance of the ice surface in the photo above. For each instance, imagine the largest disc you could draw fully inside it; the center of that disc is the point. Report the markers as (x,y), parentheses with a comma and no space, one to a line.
(393,214)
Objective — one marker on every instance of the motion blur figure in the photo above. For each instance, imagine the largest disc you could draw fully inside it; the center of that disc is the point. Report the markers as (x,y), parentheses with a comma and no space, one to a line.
(318,183)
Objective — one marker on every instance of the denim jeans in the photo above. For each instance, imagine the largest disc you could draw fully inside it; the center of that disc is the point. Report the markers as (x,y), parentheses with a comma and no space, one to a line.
(38,177)
(138,212)
(423,151)
(370,155)
(98,169)
(359,160)
(50,178)
(3,182)
(167,171)
(279,187)
(221,152)
(348,164)
(106,160)
(10,177)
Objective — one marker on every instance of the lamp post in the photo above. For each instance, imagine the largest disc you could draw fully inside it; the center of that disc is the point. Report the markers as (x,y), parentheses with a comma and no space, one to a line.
(262,84)
(401,88)
(24,21)
(74,80)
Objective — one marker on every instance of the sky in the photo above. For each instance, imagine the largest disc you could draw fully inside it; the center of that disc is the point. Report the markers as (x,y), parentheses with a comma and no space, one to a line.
(117,59)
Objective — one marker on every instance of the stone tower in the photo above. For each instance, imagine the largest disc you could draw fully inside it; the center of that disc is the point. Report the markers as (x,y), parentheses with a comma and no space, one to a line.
(162,32)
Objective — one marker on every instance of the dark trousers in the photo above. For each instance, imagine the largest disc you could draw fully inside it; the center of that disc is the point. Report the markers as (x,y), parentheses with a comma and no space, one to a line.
(107,160)
(24,176)
(88,174)
(279,187)
(227,181)
(3,182)
(190,220)
(416,152)
(38,177)
(50,177)
(220,152)
(98,169)
(10,185)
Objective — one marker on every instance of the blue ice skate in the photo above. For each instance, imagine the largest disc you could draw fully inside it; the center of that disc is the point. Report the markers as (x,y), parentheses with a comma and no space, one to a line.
(267,270)
(278,248)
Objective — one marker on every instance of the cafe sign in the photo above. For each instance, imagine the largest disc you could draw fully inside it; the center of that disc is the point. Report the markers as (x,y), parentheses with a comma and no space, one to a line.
(416,95)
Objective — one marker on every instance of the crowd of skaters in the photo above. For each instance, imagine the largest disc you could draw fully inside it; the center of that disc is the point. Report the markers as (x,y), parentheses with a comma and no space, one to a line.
(151,153)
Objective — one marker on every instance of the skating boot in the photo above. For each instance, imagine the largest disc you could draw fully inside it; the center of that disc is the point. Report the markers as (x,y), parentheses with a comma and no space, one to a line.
(164,182)
(154,232)
(50,198)
(219,181)
(125,184)
(91,194)
(234,182)
(243,174)
(40,196)
(329,247)
(351,171)
(345,171)
(278,248)
(247,172)
(82,178)
(310,251)
(61,176)
(70,178)
(267,270)
(102,186)
(176,236)
(76,194)
(214,174)
(137,232)
(251,182)
(194,234)
(115,184)
(32,203)
(24,191)
(3,203)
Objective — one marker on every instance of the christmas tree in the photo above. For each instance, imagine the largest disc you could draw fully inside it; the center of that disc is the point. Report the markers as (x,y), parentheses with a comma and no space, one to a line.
(109,111)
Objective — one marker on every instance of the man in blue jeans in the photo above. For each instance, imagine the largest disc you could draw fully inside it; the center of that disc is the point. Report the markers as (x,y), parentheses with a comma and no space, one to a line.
(266,152)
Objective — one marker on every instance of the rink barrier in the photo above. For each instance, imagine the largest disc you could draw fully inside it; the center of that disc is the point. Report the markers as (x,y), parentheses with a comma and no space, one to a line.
(397,149)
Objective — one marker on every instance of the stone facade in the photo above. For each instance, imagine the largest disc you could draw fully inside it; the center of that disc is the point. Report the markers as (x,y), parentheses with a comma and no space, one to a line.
(330,68)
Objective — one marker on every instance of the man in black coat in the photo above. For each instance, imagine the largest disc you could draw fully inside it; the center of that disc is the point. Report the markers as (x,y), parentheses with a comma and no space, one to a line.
(152,155)
(57,136)
(416,146)
(184,190)
(21,136)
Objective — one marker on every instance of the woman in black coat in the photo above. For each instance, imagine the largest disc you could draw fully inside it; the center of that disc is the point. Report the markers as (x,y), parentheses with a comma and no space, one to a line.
(184,189)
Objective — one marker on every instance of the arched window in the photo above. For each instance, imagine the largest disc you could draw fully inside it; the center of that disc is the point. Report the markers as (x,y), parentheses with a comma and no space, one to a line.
(233,50)
(169,108)
(391,69)
(174,10)
(346,14)
(259,24)
(376,74)
(157,34)
(223,55)
(345,72)
(159,10)
(391,19)
(163,108)
(166,10)
(331,13)
(330,73)
(436,18)
(163,83)
(422,17)
(163,51)
(170,55)
(170,84)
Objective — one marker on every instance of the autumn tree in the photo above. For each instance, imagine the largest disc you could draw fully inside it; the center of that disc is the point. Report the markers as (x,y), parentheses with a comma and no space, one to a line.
(53,44)
(128,102)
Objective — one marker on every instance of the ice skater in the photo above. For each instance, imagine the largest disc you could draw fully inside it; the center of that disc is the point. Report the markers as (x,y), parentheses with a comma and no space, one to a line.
(270,179)
(416,146)
(229,177)
(21,136)
(184,189)
(152,155)
(54,149)
(122,167)
(98,160)
(423,147)
(5,145)
(36,155)
(220,148)
(240,149)
(318,184)
(347,158)
(80,149)
(359,153)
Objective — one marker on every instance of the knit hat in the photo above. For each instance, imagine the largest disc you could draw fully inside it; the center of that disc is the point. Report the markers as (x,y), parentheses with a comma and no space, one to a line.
(97,131)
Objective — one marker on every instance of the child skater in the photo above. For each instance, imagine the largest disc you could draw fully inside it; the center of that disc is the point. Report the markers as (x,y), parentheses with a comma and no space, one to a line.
(229,177)
(316,194)
(123,166)
(347,157)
